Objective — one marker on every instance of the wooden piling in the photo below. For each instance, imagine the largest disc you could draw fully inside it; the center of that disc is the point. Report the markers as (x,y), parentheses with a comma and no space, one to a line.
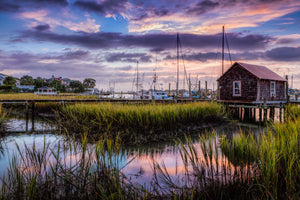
(32,114)
(265,114)
(260,113)
(272,114)
(280,112)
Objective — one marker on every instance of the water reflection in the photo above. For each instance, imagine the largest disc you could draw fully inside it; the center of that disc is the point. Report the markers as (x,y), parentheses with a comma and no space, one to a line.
(139,161)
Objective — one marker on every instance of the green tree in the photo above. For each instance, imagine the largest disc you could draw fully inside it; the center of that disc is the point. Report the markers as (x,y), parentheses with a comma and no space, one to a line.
(89,83)
(75,84)
(79,89)
(58,86)
(9,80)
(38,82)
(27,80)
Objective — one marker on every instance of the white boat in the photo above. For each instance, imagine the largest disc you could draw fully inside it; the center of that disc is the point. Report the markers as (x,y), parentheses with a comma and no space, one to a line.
(159,95)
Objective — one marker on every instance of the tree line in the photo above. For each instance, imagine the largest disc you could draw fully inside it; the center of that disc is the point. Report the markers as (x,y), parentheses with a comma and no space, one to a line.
(9,84)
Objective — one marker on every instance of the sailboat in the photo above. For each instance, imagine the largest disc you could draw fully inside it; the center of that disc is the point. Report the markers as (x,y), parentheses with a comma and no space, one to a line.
(183,93)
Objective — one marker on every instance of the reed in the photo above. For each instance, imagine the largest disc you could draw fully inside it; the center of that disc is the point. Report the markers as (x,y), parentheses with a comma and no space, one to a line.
(208,173)
(137,123)
(292,112)
(276,154)
(69,171)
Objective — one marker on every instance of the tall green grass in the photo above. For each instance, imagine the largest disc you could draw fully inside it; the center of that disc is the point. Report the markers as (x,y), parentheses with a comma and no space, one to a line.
(276,154)
(209,174)
(137,123)
(292,112)
(69,171)
(266,166)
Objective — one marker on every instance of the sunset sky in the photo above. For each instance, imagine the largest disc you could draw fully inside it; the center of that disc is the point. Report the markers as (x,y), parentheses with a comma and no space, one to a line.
(103,39)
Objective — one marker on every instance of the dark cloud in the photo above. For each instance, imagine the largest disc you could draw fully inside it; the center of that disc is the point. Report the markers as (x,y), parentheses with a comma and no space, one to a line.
(70,55)
(157,50)
(128,57)
(202,7)
(43,2)
(203,57)
(43,27)
(152,41)
(8,7)
(284,54)
(106,7)
(17,5)
(286,41)
(126,68)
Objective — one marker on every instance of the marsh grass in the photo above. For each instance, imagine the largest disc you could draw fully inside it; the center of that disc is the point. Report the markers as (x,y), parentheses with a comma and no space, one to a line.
(208,173)
(67,171)
(276,153)
(292,112)
(137,123)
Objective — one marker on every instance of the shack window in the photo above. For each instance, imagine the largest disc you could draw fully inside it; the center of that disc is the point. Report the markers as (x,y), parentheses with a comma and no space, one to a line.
(236,88)
(272,89)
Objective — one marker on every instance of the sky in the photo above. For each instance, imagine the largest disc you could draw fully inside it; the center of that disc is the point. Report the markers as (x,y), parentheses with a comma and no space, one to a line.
(104,39)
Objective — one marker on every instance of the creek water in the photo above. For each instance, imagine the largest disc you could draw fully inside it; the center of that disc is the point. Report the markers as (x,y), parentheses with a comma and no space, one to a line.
(137,161)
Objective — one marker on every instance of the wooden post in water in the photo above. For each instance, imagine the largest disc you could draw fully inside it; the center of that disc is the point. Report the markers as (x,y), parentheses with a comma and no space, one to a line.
(260,113)
(272,113)
(205,89)
(27,115)
(280,112)
(246,114)
(265,110)
(32,114)
(199,89)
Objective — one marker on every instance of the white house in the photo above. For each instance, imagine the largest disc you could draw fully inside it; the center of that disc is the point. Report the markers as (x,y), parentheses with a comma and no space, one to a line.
(46,91)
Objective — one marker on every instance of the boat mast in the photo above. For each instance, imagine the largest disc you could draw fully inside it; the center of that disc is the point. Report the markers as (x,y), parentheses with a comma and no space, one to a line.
(223,37)
(177,87)
(137,77)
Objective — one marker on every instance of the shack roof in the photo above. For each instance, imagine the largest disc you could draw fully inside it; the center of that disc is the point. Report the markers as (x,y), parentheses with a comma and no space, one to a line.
(260,72)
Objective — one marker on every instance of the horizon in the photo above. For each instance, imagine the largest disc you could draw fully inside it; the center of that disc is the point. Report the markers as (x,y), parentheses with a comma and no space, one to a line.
(102,40)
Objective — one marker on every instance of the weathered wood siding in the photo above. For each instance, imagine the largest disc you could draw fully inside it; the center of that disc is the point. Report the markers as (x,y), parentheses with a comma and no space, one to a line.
(248,85)
(265,91)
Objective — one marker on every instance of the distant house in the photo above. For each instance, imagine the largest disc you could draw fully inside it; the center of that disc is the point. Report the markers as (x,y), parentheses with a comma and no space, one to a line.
(251,83)
(2,77)
(92,91)
(26,88)
(46,91)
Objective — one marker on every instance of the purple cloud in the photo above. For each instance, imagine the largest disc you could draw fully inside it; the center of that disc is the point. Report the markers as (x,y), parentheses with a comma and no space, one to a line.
(44,27)
(8,7)
(202,7)
(284,54)
(128,57)
(106,7)
(164,41)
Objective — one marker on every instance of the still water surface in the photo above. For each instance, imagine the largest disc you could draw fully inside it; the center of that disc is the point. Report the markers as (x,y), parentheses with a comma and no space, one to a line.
(139,170)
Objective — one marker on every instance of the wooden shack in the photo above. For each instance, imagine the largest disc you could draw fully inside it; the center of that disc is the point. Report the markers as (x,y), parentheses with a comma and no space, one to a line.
(251,83)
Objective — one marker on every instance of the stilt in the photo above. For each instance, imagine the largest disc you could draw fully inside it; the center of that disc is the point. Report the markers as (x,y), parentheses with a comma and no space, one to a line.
(27,115)
(260,113)
(265,114)
(272,113)
(280,113)
(32,115)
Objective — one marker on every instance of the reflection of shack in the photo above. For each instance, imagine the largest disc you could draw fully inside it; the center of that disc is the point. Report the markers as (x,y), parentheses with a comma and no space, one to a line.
(251,83)
(46,91)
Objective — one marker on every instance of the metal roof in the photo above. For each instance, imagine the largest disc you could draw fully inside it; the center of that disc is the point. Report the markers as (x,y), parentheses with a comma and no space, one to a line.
(260,72)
